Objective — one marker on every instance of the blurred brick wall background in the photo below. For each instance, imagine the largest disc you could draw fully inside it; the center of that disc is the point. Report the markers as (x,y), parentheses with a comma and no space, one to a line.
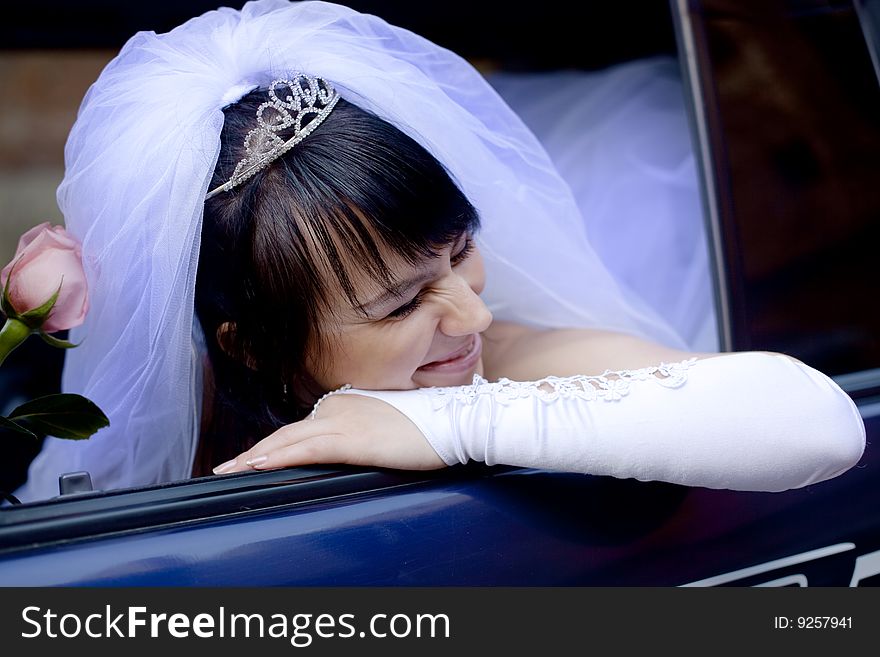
(40,92)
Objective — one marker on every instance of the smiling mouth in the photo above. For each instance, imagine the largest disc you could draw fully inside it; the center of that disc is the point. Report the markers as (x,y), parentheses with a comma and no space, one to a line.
(463,358)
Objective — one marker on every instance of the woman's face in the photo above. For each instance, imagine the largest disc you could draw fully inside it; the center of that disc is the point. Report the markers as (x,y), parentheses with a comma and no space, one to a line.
(427,334)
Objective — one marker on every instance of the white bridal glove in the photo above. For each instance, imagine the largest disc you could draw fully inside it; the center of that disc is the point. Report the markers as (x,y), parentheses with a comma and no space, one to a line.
(742,421)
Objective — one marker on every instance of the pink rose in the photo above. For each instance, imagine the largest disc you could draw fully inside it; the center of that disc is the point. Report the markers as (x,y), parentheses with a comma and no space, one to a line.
(47,254)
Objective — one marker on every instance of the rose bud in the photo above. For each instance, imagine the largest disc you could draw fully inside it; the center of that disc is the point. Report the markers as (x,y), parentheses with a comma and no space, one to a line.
(48,257)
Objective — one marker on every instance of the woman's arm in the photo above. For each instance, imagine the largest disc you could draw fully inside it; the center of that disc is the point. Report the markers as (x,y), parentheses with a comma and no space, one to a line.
(523,353)
(745,421)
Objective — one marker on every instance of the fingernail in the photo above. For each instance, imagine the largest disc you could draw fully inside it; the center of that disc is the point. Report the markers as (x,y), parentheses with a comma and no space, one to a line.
(257,460)
(224,467)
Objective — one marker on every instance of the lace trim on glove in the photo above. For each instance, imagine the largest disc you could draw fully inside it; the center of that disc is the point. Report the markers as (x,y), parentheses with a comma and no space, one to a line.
(338,390)
(608,386)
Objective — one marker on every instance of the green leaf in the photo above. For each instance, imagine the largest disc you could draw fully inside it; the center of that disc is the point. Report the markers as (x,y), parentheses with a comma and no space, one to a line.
(35,317)
(64,415)
(56,342)
(12,426)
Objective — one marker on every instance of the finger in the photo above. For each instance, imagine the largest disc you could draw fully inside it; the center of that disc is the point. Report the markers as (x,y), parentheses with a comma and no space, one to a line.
(288,434)
(321,448)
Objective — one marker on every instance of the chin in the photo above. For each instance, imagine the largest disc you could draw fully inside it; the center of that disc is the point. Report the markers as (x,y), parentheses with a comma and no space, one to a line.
(444,382)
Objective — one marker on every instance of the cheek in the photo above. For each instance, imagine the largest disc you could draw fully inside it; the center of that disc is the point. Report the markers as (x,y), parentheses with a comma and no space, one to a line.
(399,351)
(376,356)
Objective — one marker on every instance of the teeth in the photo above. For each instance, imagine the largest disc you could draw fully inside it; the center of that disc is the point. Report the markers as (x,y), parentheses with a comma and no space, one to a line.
(451,358)
(459,354)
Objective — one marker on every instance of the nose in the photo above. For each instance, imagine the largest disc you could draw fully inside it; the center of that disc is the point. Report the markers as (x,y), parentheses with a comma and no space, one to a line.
(466,313)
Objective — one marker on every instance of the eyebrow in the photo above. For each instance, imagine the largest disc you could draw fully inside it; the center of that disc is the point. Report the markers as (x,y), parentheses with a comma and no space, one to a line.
(397,290)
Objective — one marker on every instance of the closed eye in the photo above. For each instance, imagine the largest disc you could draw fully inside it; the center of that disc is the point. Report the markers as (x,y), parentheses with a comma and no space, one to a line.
(406,309)
(465,251)
(411,306)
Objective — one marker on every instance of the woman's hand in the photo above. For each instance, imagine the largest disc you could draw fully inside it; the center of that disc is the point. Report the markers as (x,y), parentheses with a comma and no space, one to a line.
(350,429)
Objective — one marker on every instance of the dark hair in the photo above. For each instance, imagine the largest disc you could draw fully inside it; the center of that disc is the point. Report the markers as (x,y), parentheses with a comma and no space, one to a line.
(354,186)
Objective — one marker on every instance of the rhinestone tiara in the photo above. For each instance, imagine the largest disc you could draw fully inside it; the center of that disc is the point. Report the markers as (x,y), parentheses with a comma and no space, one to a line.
(303,96)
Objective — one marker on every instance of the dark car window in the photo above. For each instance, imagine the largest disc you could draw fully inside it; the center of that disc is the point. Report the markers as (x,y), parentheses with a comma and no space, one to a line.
(788,107)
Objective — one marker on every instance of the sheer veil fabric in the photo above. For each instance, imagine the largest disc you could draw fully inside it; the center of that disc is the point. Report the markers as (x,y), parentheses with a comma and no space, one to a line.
(138,162)
(620,138)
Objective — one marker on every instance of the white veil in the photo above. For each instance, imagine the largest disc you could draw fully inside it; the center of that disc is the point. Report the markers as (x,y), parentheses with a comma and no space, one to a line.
(620,138)
(138,163)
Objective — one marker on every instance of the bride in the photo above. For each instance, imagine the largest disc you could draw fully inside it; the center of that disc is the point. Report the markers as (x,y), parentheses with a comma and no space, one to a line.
(301,222)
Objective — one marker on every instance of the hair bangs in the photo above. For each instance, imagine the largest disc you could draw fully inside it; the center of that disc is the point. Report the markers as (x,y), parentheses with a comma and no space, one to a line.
(383,194)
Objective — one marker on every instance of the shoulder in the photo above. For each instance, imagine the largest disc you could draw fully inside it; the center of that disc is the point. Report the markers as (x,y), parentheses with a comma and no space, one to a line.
(501,342)
(525,353)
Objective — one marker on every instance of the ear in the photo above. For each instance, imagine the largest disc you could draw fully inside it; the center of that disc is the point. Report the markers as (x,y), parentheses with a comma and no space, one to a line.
(226,338)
